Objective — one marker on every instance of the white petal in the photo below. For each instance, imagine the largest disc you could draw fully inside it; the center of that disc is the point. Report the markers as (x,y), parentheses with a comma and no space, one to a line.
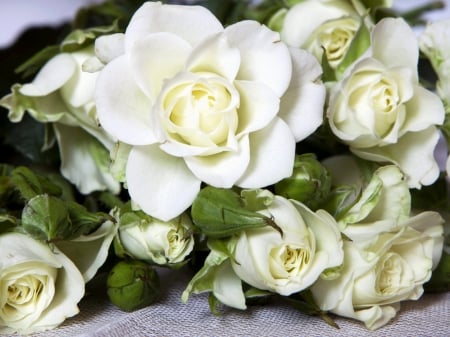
(223,169)
(258,106)
(264,58)
(395,37)
(272,152)
(122,108)
(156,58)
(414,154)
(424,109)
(79,89)
(227,287)
(53,75)
(160,184)
(192,23)
(108,47)
(89,252)
(78,162)
(215,55)
(302,106)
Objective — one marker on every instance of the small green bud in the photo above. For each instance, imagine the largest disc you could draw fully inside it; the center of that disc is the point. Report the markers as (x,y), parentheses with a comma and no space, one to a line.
(132,285)
(310,182)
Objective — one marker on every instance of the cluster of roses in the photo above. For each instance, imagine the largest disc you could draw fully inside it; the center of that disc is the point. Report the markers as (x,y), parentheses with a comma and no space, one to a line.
(182,104)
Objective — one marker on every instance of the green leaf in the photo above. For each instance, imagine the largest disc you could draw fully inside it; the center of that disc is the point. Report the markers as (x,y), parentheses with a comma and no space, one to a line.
(45,217)
(82,221)
(30,185)
(219,212)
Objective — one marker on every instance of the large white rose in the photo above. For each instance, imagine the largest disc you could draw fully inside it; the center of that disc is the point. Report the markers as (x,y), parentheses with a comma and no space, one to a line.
(63,94)
(39,286)
(200,103)
(380,110)
(290,261)
(153,240)
(380,272)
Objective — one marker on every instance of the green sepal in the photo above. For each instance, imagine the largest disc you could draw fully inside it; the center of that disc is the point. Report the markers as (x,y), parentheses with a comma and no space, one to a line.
(219,212)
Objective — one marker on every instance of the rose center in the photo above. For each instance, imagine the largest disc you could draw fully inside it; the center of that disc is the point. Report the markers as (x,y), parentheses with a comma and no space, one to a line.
(200,110)
(392,274)
(385,101)
(289,261)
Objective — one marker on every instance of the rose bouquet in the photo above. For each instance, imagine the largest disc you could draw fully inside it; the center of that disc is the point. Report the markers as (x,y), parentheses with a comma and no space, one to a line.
(284,149)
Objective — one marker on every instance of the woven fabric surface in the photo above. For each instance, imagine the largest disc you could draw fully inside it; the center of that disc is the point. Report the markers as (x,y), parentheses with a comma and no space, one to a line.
(428,317)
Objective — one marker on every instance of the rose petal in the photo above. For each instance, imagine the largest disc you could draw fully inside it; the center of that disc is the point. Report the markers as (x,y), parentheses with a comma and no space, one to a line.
(79,89)
(122,108)
(414,153)
(156,58)
(215,55)
(222,169)
(191,23)
(160,184)
(227,287)
(89,252)
(424,108)
(302,104)
(53,75)
(108,47)
(263,57)
(258,106)
(272,153)
(395,37)
(78,160)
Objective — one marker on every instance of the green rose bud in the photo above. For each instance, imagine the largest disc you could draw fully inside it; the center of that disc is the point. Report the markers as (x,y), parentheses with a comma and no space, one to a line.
(310,182)
(132,285)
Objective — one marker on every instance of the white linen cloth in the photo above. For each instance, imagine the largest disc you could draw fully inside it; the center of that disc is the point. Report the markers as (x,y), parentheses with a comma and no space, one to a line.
(428,317)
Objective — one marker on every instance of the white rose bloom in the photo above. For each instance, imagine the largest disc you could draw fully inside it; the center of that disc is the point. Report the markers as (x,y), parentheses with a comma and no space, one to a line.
(161,242)
(434,42)
(380,110)
(322,26)
(379,272)
(63,94)
(200,103)
(39,286)
(289,262)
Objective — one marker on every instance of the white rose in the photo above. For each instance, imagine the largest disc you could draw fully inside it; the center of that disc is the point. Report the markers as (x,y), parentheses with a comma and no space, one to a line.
(40,286)
(63,94)
(200,103)
(153,240)
(290,261)
(322,26)
(380,110)
(434,42)
(379,272)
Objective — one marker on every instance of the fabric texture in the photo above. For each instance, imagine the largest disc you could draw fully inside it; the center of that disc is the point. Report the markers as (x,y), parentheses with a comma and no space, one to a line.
(428,317)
